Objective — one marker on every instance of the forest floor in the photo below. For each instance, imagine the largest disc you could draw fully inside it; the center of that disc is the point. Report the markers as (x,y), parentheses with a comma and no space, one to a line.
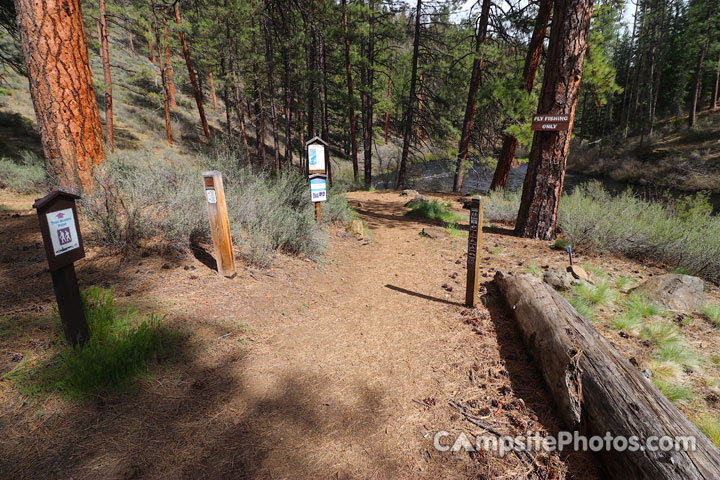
(343,369)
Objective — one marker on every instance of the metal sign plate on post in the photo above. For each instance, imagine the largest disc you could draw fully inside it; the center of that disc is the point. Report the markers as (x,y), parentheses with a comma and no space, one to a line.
(474,242)
(219,223)
(60,231)
(550,123)
(318,188)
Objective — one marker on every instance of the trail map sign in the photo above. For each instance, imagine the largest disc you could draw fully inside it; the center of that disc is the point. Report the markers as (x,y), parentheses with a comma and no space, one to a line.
(318,188)
(551,123)
(63,246)
(316,155)
(219,223)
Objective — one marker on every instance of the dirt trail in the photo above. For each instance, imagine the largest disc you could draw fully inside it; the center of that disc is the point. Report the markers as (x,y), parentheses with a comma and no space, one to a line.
(298,372)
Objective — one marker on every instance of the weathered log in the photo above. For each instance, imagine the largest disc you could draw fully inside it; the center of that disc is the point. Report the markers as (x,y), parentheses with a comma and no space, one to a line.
(598,391)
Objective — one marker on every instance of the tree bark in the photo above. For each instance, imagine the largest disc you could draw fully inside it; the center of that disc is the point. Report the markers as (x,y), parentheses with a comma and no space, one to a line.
(475,77)
(270,69)
(150,46)
(239,108)
(351,98)
(108,79)
(368,111)
(697,84)
(411,101)
(287,107)
(164,76)
(168,61)
(532,61)
(598,391)
(191,73)
(716,88)
(325,131)
(212,91)
(537,217)
(387,114)
(54,44)
(132,43)
(259,101)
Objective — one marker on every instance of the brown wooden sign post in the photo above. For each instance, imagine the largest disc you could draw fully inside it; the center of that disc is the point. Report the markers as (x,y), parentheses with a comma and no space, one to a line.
(219,223)
(60,231)
(474,241)
(550,123)
(317,171)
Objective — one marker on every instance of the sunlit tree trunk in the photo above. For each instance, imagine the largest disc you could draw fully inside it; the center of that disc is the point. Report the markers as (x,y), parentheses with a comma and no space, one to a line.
(270,70)
(52,34)
(532,61)
(191,73)
(108,79)
(168,62)
(369,99)
(716,87)
(150,46)
(537,217)
(212,91)
(132,43)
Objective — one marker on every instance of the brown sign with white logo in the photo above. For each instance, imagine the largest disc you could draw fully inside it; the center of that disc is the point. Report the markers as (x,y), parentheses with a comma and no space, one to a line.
(551,123)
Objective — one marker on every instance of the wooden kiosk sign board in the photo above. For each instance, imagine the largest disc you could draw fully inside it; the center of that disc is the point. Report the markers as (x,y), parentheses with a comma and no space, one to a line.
(474,242)
(60,231)
(316,155)
(551,123)
(219,223)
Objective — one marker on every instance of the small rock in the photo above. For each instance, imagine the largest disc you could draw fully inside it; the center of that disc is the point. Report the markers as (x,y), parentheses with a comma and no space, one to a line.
(16,357)
(166,266)
(647,373)
(198,385)
(677,293)
(454,275)
(15,215)
(558,279)
(409,193)
(447,287)
(457,262)
(357,229)
(361,204)
(624,335)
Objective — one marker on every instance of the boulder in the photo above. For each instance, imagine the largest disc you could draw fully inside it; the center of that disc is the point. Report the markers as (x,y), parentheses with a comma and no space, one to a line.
(356,228)
(416,200)
(409,193)
(677,293)
(559,279)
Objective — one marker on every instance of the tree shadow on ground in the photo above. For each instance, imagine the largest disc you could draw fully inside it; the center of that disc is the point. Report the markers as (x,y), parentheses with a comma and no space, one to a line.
(422,295)
(197,418)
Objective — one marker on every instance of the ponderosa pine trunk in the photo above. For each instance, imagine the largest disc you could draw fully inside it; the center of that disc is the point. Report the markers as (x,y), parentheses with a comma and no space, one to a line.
(716,88)
(259,100)
(325,129)
(387,114)
(164,77)
(212,91)
(475,77)
(697,84)
(108,78)
(150,46)
(239,108)
(54,44)
(287,106)
(191,73)
(270,70)
(537,217)
(411,101)
(351,98)
(532,61)
(168,62)
(369,101)
(132,43)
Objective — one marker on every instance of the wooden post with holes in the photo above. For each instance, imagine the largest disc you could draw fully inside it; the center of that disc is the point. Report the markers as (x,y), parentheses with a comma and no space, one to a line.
(474,241)
(60,231)
(219,223)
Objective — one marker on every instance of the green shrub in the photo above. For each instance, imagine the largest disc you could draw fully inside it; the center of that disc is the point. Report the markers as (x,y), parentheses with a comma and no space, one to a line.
(661,333)
(628,322)
(680,354)
(25,176)
(120,347)
(709,425)
(674,392)
(599,293)
(432,210)
(712,313)
(641,306)
(501,206)
(583,307)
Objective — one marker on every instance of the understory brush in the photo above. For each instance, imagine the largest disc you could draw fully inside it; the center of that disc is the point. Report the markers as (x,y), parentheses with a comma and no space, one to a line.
(136,202)
(432,210)
(26,175)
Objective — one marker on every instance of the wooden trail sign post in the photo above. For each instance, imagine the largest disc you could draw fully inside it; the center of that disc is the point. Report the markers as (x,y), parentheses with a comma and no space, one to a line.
(474,241)
(219,223)
(317,171)
(60,231)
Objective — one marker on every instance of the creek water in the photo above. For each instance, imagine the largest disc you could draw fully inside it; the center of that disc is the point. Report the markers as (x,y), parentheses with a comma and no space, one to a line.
(437,176)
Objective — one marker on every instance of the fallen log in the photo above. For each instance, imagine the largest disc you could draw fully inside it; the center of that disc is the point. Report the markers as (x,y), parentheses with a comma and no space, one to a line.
(598,391)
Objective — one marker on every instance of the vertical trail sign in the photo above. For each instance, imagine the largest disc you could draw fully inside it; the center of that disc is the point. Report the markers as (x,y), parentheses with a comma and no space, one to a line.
(474,241)
(60,231)
(219,223)
(317,171)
